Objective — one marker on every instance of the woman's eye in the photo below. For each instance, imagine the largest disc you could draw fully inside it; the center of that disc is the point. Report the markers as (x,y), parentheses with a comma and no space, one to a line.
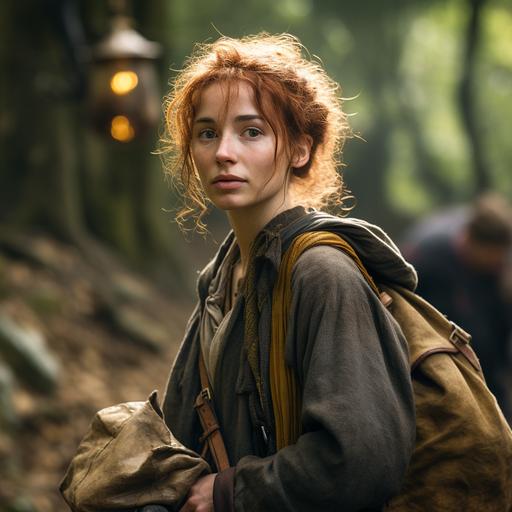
(252,132)
(208,133)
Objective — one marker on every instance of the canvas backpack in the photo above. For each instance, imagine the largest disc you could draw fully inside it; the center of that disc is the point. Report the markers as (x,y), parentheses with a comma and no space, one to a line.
(463,454)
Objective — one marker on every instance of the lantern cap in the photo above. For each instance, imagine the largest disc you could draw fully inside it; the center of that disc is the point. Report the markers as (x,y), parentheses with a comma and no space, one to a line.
(124,42)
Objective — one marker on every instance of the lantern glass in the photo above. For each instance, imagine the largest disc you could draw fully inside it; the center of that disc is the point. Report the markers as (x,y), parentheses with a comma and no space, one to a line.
(125,88)
(123,82)
(124,99)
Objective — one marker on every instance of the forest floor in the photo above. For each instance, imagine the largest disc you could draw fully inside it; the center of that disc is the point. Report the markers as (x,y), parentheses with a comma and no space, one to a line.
(92,322)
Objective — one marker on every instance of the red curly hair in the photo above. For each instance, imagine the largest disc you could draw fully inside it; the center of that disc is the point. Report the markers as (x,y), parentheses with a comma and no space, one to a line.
(294,95)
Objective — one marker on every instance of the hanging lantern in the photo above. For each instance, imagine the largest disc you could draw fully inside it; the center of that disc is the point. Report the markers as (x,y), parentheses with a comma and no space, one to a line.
(124,100)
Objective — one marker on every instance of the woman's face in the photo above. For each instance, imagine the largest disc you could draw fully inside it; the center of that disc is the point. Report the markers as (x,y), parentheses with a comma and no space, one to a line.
(234,151)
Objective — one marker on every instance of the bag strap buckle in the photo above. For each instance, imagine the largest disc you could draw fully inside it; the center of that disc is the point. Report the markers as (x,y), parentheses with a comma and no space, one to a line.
(459,335)
(206,394)
(460,339)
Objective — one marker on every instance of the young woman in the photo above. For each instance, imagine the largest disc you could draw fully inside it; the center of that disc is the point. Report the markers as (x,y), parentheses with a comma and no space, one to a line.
(255,129)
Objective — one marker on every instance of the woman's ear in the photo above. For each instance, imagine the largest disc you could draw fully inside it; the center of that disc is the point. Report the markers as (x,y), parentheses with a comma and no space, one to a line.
(302,152)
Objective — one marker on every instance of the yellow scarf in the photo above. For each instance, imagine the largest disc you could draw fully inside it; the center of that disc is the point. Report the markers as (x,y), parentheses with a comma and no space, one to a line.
(285,391)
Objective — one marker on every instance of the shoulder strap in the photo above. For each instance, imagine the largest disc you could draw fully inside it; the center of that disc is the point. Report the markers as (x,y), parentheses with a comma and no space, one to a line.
(212,435)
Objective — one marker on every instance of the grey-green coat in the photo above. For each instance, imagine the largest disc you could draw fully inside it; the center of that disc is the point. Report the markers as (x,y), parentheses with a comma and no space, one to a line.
(351,359)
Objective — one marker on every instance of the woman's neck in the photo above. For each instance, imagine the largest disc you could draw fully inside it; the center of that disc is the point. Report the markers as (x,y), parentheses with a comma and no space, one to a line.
(246,226)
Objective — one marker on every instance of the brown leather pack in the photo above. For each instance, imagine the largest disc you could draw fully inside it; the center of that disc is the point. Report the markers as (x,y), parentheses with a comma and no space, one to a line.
(463,454)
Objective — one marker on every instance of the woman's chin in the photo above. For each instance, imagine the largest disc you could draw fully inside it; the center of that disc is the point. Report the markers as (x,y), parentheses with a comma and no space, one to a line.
(229,204)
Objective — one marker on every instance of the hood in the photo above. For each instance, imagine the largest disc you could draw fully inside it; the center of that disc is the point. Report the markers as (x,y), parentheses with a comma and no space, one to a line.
(378,252)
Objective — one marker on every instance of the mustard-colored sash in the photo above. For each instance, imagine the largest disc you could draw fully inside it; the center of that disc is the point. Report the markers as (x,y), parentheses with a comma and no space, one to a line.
(285,391)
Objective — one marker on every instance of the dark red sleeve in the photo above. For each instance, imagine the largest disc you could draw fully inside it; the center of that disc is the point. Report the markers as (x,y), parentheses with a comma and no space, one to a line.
(223,491)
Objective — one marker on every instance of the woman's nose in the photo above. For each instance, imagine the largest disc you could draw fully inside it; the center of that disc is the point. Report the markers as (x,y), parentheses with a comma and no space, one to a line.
(226,149)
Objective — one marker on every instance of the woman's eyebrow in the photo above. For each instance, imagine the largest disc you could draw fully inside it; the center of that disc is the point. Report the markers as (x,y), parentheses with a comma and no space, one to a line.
(238,119)
(248,117)
(204,120)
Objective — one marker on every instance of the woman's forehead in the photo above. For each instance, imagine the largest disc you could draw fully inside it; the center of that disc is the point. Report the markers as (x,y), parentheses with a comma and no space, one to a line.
(223,96)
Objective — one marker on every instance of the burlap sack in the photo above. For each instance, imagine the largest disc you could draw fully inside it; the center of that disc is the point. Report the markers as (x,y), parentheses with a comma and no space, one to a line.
(129,459)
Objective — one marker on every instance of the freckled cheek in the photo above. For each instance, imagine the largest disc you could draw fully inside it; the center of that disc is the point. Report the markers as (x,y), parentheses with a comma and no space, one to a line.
(201,167)
(200,158)
(262,154)
(267,164)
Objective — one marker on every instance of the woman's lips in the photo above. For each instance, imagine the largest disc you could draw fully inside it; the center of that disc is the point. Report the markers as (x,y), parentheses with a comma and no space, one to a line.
(228,182)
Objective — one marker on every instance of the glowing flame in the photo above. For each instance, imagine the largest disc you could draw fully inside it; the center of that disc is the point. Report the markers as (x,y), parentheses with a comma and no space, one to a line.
(123,82)
(121,129)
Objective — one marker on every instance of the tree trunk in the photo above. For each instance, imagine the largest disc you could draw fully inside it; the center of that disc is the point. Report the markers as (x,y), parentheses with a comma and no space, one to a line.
(468,101)
(41,160)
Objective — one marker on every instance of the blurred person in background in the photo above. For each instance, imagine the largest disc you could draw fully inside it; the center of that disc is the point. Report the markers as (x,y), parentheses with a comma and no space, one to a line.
(462,257)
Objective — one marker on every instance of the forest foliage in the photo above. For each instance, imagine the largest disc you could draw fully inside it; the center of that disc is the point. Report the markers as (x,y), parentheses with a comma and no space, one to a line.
(427,84)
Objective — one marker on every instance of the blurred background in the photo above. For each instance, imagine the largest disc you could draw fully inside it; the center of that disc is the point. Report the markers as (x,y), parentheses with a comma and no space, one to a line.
(96,280)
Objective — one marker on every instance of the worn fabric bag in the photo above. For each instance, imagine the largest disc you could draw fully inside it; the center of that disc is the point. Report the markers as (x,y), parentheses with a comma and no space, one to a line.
(129,459)
(463,453)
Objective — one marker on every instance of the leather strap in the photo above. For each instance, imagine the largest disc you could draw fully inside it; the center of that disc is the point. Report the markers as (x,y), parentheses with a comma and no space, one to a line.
(211,429)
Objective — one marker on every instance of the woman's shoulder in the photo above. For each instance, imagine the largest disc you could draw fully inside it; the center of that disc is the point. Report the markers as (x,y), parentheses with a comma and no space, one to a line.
(326,266)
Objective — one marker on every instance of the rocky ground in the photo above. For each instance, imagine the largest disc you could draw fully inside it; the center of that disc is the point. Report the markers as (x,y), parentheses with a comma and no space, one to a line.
(76,335)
